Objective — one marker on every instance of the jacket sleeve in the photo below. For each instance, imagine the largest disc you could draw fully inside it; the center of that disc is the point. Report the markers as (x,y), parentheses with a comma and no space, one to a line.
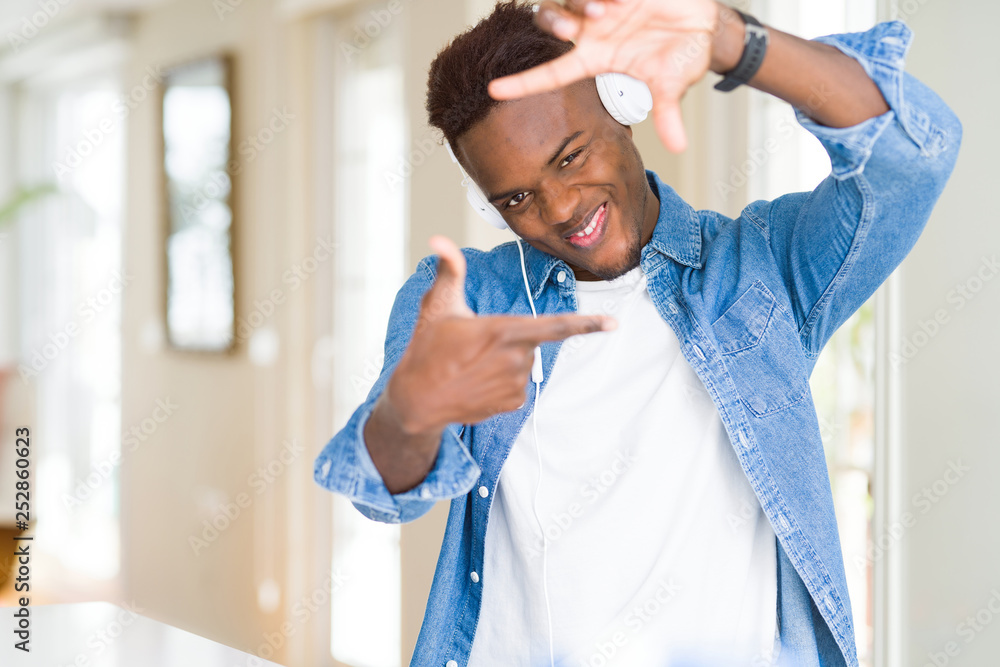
(835,245)
(345,466)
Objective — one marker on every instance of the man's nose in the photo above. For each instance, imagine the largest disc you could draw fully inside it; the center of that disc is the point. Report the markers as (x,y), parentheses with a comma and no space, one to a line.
(559,202)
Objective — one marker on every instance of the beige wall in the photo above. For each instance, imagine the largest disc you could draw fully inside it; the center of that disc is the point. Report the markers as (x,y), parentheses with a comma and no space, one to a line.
(950,386)
(231,416)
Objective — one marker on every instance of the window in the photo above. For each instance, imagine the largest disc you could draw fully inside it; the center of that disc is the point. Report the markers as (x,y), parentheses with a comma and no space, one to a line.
(69,281)
(369,223)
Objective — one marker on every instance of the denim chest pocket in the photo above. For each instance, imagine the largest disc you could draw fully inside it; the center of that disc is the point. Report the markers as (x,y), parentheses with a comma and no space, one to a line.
(760,347)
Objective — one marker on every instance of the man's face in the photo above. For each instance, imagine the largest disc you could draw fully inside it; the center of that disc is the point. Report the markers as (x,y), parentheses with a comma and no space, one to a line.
(556,164)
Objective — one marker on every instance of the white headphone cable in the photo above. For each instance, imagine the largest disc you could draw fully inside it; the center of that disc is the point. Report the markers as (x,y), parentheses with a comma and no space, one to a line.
(536,376)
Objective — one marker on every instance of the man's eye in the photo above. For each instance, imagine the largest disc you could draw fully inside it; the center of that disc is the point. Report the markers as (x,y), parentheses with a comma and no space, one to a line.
(516,199)
(569,158)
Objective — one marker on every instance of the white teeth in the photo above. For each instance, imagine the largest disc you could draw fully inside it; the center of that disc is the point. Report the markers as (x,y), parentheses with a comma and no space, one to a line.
(590,228)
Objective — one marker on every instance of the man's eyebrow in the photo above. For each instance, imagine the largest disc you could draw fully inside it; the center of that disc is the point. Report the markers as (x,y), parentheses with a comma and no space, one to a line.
(556,154)
(562,146)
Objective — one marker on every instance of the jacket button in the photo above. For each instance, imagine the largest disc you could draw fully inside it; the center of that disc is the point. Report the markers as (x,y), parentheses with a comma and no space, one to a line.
(483,491)
(474,577)
(452,663)
(701,355)
(672,308)
(561,277)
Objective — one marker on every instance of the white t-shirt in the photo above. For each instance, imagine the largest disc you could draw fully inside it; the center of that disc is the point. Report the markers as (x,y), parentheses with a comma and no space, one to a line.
(658,549)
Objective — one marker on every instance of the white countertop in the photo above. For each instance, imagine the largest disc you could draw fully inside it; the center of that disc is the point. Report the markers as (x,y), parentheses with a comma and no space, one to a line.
(99,634)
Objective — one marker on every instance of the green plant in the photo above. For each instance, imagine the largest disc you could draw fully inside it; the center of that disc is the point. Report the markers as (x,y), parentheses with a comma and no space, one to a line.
(21,197)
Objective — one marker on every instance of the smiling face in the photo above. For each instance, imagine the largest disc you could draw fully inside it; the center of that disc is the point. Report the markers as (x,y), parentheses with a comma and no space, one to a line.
(566,177)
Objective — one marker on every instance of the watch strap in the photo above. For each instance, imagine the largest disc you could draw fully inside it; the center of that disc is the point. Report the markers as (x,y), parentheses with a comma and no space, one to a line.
(754,48)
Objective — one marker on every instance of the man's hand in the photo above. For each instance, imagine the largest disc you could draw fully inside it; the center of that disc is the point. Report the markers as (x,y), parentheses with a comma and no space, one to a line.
(666,43)
(457,369)
(671,44)
(460,368)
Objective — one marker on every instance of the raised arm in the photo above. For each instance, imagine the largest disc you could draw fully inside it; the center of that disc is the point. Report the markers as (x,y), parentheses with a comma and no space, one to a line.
(830,87)
(836,245)
(671,44)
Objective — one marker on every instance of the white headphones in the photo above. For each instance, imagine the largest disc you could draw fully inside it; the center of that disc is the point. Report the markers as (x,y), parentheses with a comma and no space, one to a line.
(628,100)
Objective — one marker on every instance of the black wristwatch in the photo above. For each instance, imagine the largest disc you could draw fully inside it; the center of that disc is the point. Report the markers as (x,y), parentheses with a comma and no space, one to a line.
(754,48)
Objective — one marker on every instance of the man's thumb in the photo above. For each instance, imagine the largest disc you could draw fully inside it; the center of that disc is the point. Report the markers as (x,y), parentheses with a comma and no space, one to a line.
(447,295)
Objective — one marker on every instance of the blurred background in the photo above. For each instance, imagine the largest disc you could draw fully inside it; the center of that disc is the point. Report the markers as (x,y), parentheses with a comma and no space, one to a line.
(206,208)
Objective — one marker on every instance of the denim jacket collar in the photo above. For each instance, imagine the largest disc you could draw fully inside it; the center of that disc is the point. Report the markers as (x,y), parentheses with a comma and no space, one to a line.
(677,235)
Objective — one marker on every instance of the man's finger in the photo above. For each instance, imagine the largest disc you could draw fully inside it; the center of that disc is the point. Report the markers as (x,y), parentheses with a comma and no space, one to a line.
(669,124)
(575,6)
(565,22)
(554,74)
(519,329)
(447,294)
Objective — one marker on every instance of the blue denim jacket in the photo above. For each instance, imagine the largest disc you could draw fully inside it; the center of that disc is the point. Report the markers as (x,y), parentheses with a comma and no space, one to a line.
(752,301)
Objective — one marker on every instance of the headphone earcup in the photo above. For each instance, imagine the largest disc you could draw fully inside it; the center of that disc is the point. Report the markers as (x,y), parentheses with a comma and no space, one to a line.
(627,99)
(475,197)
(486,210)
